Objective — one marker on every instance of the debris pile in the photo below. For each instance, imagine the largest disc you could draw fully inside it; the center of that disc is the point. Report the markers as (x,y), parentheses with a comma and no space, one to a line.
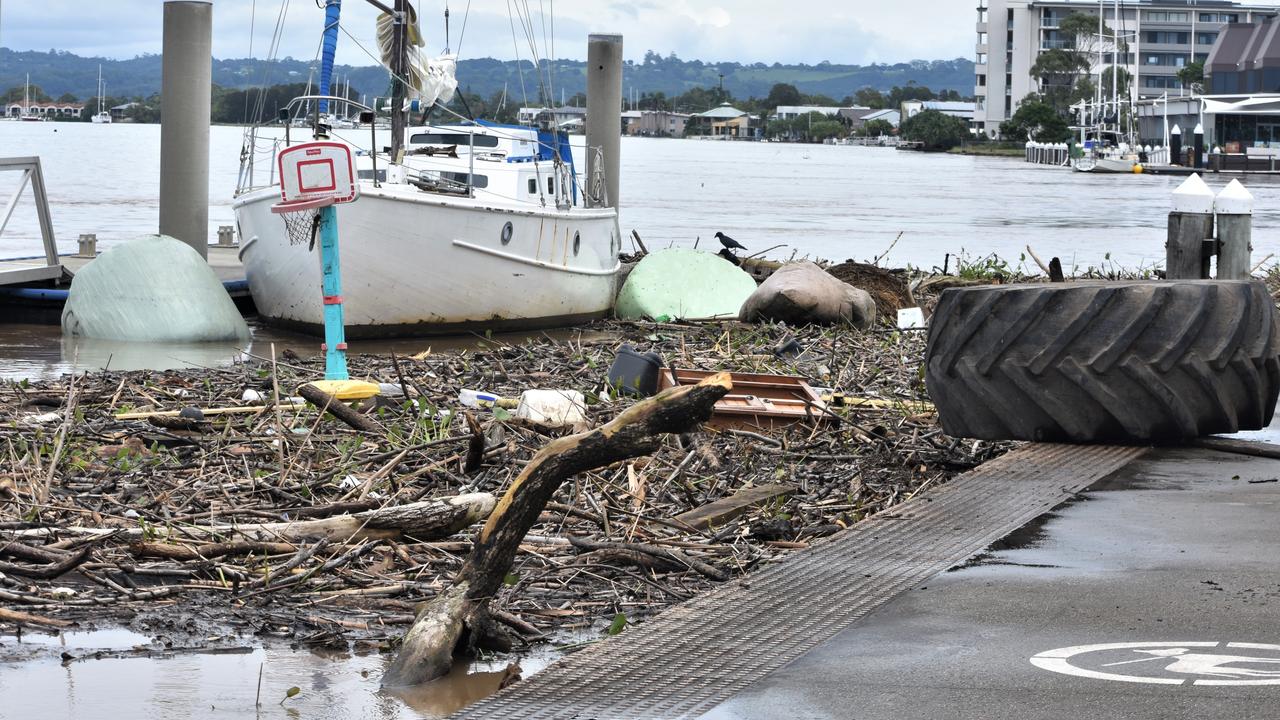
(216,503)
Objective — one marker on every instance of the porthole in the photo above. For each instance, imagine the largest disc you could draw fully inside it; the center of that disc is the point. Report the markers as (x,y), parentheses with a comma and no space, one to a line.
(577,242)
(507,231)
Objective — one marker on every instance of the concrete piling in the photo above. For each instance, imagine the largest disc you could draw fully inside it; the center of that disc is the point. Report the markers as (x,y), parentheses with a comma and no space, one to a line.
(604,115)
(1234,208)
(88,245)
(1190,226)
(184,123)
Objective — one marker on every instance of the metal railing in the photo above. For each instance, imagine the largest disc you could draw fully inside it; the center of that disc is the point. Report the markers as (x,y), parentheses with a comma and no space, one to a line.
(31,174)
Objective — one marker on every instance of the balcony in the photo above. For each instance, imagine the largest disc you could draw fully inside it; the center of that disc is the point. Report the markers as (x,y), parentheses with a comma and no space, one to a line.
(1056,44)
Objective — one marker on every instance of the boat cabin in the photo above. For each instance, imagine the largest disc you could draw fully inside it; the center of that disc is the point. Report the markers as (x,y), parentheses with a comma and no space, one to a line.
(505,161)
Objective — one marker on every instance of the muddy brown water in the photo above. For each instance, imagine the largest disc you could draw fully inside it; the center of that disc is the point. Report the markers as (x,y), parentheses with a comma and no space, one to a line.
(119,674)
(38,352)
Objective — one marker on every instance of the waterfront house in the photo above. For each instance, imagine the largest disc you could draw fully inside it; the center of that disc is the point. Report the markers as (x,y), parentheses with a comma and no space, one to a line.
(565,117)
(654,123)
(893,117)
(46,110)
(725,123)
(120,113)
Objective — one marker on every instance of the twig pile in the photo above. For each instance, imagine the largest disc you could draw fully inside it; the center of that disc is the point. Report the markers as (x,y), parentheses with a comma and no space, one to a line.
(141,521)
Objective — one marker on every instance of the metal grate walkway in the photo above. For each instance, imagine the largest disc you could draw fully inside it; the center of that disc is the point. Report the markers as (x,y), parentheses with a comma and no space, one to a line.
(698,654)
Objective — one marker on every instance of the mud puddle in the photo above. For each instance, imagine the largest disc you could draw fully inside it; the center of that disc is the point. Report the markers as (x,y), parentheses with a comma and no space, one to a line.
(114,674)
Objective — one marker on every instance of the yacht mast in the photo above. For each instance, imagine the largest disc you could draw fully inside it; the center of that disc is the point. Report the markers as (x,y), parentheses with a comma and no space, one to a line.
(397,80)
(1115,64)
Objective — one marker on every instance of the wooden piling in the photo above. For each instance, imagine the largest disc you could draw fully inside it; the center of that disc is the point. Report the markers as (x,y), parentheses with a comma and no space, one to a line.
(1234,208)
(1190,224)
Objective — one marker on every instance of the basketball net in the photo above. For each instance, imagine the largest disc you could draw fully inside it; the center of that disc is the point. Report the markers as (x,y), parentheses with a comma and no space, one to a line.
(302,226)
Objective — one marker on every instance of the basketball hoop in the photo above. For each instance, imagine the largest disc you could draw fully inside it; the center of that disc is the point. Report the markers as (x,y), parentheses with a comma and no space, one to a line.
(302,219)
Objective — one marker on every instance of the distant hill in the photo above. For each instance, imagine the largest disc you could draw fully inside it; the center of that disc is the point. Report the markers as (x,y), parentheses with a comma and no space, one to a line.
(58,72)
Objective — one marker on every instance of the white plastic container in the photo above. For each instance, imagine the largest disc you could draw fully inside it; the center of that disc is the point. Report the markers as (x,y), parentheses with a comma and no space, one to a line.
(477,399)
(553,407)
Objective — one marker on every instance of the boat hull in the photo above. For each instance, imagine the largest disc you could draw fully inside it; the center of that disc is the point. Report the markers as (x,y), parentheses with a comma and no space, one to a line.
(1104,165)
(416,263)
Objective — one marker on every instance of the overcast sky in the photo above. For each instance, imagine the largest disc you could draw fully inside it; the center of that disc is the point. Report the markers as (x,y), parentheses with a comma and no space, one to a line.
(860,31)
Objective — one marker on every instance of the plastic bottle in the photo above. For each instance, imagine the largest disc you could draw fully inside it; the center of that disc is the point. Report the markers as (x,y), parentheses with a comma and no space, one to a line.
(477,399)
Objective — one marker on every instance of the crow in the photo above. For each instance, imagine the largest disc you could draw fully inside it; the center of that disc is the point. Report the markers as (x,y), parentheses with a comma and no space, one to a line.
(729,243)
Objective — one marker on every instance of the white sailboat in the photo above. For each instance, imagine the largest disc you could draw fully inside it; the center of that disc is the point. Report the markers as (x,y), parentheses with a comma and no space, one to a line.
(1113,149)
(102,116)
(460,226)
(27,115)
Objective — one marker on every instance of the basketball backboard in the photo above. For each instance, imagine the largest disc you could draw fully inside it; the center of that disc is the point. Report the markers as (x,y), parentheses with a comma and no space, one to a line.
(317,170)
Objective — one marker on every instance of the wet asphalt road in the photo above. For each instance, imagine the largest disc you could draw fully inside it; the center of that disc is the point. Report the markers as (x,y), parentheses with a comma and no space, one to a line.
(1179,550)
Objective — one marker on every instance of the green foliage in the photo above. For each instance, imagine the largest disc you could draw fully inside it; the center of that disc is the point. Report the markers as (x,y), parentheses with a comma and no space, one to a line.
(936,130)
(1192,73)
(783,94)
(1036,120)
(618,625)
(660,78)
(1063,72)
(876,128)
(17,93)
(870,97)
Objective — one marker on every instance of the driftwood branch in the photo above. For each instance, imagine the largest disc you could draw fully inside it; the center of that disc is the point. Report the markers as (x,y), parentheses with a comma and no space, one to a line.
(337,408)
(426,520)
(458,618)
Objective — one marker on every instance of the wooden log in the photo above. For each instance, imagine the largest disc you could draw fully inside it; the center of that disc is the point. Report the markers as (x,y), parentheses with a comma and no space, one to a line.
(462,611)
(1234,207)
(17,616)
(1190,224)
(1055,271)
(426,520)
(49,571)
(725,509)
(337,408)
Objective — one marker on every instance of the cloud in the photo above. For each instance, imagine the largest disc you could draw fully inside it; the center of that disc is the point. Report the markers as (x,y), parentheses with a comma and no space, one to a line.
(743,31)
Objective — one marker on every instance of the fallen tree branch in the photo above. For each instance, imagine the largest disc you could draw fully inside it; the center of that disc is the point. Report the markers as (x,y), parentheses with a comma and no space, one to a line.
(337,408)
(461,611)
(426,520)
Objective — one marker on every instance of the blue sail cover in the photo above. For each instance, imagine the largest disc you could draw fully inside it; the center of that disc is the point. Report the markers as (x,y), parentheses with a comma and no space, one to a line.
(332,10)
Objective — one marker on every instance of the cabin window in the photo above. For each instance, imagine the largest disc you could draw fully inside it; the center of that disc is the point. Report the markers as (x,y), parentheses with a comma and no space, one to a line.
(478,181)
(438,138)
(507,232)
(577,242)
(533,186)
(551,186)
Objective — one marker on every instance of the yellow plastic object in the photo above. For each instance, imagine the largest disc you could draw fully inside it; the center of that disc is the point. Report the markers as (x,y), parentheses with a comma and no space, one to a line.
(347,389)
(918,406)
(1137,169)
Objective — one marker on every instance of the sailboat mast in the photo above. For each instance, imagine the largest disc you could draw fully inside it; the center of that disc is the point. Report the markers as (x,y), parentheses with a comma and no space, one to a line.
(1115,64)
(397,80)
(332,13)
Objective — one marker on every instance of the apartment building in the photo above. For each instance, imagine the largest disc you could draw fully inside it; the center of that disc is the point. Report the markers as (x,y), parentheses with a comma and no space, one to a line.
(1162,36)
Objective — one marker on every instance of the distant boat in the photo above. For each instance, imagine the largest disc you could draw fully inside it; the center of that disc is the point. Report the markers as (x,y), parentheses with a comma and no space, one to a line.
(27,115)
(102,116)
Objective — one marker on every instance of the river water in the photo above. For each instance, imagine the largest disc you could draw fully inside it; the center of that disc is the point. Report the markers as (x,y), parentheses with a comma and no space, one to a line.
(821,201)
(800,200)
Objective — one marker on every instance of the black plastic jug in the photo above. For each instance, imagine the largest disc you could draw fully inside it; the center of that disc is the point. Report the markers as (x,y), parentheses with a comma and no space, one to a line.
(635,373)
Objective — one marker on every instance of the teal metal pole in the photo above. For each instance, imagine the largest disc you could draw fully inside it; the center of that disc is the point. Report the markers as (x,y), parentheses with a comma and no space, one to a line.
(335,342)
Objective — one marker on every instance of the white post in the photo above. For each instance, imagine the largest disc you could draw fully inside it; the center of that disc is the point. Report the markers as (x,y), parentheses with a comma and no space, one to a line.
(604,110)
(186,86)
(1234,207)
(1190,224)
